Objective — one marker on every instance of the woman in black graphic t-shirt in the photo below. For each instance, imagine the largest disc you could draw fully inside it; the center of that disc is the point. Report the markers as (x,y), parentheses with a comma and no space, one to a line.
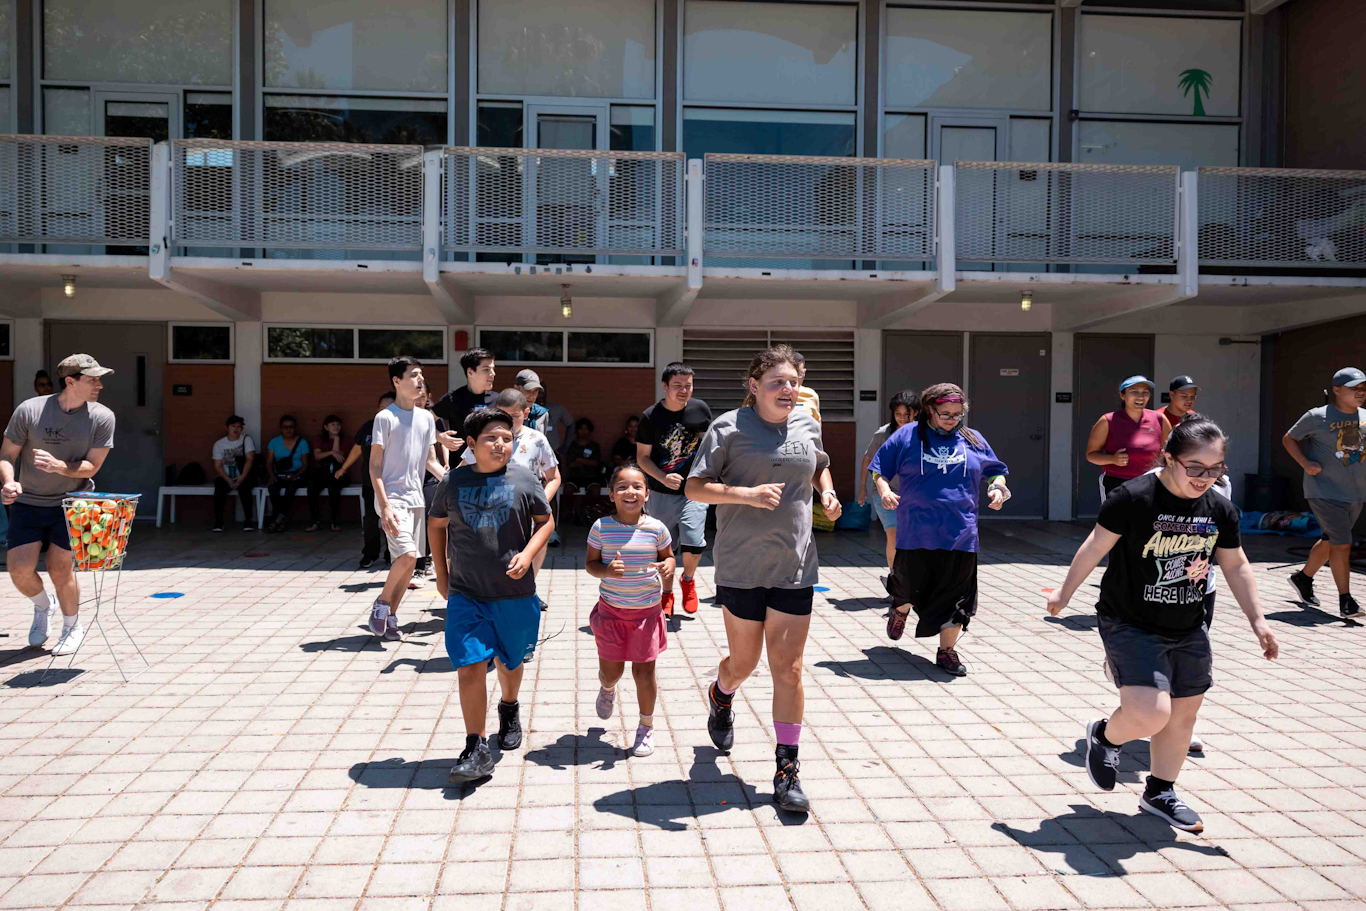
(1163,532)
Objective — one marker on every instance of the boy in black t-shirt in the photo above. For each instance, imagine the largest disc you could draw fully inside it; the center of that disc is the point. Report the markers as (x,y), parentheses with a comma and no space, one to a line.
(1162,532)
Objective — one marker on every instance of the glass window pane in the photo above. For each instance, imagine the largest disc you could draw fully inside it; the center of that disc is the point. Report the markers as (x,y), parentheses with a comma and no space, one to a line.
(1222,6)
(356,44)
(767,132)
(4,340)
(797,53)
(903,136)
(423,344)
(1159,65)
(188,42)
(6,27)
(609,348)
(201,343)
(208,115)
(315,118)
(290,341)
(499,125)
(1190,145)
(1031,139)
(5,110)
(66,112)
(940,58)
(588,48)
(523,345)
(632,129)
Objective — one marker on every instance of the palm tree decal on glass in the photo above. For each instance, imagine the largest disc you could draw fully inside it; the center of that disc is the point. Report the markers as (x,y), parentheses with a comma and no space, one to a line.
(1196,81)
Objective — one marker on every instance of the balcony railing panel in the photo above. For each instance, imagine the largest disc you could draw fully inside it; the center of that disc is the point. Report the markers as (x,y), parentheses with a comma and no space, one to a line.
(549,201)
(1282,217)
(303,196)
(74,190)
(1066,213)
(813,208)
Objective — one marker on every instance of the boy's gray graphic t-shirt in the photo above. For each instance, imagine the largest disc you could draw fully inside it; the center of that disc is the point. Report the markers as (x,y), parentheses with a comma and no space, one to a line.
(489,522)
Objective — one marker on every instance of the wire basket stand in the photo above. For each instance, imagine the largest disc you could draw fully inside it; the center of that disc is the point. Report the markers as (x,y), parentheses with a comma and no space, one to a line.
(98,525)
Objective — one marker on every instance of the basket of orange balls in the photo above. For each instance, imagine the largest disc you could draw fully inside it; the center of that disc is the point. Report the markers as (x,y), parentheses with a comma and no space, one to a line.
(98,525)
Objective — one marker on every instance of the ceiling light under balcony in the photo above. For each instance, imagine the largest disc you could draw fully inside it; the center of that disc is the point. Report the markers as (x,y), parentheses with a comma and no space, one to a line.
(69,285)
(566,303)
(1026,301)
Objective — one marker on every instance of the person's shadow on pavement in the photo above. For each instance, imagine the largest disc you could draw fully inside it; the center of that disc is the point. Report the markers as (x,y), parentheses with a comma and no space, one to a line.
(1114,838)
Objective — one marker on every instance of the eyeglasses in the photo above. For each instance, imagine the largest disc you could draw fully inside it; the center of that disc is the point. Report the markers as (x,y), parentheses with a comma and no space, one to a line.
(783,384)
(945,416)
(1214,471)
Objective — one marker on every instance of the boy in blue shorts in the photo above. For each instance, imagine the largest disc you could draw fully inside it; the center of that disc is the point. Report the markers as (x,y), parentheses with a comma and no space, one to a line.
(495,515)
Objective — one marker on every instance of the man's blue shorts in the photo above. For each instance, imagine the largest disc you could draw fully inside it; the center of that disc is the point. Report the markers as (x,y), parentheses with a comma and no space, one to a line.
(479,630)
(37,524)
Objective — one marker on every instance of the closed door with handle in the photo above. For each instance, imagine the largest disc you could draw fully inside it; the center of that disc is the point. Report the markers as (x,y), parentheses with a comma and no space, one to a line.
(1009,382)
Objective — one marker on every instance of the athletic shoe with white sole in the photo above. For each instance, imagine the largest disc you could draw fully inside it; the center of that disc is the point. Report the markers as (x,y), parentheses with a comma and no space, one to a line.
(607,699)
(41,629)
(71,640)
(720,719)
(379,617)
(645,741)
(1166,805)
(1197,746)
(391,630)
(1102,762)
(1304,587)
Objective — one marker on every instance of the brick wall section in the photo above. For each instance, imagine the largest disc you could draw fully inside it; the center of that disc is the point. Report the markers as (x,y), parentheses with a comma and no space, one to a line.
(842,445)
(191,423)
(605,395)
(1325,69)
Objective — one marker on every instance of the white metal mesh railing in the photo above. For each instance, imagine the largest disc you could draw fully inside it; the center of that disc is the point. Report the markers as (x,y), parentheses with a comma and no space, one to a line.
(74,190)
(563,201)
(296,195)
(1065,213)
(807,207)
(1282,216)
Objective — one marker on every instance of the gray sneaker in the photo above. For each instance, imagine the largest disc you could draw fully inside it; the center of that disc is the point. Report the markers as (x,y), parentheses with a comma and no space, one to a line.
(607,700)
(379,616)
(391,632)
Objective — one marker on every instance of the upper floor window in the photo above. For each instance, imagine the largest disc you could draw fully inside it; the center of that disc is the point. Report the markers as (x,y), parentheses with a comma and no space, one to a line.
(183,43)
(398,45)
(1159,65)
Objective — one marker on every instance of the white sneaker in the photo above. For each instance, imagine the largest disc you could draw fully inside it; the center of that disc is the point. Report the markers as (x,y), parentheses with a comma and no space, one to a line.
(41,629)
(417,581)
(1197,745)
(70,641)
(645,741)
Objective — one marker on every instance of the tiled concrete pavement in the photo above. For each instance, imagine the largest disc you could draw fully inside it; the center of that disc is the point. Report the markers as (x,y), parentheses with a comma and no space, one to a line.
(276,756)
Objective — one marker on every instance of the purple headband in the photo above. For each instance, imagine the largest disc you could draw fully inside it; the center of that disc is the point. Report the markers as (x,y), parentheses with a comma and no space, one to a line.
(949,398)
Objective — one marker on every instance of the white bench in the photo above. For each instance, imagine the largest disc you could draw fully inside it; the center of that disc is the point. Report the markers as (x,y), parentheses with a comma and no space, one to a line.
(262,495)
(173,492)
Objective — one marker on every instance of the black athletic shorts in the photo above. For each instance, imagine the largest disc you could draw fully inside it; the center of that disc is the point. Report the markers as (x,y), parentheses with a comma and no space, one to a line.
(939,585)
(752,603)
(32,524)
(1181,665)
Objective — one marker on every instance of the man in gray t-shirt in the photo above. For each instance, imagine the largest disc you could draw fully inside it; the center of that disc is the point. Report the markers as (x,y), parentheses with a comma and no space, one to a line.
(1327,443)
(59,443)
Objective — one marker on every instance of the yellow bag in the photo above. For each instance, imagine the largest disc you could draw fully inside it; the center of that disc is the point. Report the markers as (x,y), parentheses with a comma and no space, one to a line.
(818,518)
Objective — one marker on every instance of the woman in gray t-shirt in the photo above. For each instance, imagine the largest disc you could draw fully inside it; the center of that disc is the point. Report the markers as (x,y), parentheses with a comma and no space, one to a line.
(760,465)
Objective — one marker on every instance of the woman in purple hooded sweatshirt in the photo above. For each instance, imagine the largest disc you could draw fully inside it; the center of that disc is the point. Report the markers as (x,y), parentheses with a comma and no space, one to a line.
(941,465)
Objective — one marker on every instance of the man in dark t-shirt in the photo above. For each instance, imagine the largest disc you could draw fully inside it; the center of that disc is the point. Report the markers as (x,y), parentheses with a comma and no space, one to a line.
(666,443)
(455,406)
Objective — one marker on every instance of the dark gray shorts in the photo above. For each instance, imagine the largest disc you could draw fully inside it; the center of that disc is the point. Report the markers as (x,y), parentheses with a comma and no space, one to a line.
(1336,518)
(1182,666)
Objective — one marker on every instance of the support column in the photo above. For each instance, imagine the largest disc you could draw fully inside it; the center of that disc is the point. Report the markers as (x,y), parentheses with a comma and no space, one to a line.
(668,348)
(1060,431)
(246,385)
(29,355)
(868,416)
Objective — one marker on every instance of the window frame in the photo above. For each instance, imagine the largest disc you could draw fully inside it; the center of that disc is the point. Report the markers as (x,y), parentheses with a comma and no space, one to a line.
(565,331)
(356,329)
(170,342)
(10,324)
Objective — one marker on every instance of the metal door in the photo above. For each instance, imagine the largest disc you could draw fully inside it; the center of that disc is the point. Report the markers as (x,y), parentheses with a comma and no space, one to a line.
(1011,378)
(137,353)
(1101,361)
(916,360)
(155,116)
(565,208)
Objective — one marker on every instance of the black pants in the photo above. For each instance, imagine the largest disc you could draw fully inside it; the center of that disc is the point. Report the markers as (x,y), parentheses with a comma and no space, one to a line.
(369,524)
(424,559)
(221,492)
(282,496)
(325,476)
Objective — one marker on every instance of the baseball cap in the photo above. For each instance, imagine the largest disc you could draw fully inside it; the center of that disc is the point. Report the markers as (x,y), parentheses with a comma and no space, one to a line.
(1347,376)
(1136,380)
(85,365)
(527,379)
(1183,382)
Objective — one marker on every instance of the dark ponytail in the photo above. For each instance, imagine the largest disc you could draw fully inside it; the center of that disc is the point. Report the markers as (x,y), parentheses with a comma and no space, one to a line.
(1191,435)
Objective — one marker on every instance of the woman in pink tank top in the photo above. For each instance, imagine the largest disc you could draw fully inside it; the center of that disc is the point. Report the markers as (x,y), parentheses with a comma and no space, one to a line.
(1126,442)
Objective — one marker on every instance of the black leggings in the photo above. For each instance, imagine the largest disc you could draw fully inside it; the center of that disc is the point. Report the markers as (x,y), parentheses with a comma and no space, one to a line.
(221,492)
(324,476)
(282,496)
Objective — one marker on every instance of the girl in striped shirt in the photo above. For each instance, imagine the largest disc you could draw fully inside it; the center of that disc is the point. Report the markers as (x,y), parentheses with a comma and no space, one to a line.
(628,551)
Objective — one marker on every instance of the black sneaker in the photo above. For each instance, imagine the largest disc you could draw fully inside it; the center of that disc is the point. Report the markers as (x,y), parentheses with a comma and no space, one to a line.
(217,529)
(720,722)
(947,661)
(1173,809)
(1304,585)
(475,763)
(787,789)
(365,563)
(1102,762)
(1348,607)
(509,725)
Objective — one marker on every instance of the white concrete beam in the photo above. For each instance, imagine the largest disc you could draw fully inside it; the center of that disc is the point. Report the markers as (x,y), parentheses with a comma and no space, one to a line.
(246,378)
(881,312)
(454,304)
(1083,319)
(673,306)
(22,302)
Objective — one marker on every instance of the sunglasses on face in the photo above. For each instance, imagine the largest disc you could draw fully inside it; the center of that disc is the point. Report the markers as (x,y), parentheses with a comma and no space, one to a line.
(1200,471)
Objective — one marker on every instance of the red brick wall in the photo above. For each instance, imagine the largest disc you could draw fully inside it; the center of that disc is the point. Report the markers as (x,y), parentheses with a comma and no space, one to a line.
(607,396)
(1325,70)
(191,423)
(841,444)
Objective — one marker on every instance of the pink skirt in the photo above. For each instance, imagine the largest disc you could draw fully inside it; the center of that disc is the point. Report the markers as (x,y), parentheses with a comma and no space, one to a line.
(634,634)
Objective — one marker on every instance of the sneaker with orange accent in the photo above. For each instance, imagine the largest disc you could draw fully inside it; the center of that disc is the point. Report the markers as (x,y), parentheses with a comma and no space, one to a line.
(689,587)
(668,602)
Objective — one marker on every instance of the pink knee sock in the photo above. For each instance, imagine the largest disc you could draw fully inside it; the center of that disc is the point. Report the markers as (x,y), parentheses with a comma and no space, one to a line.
(788,735)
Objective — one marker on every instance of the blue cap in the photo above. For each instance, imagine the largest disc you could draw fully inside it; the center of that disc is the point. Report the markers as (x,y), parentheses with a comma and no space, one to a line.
(1349,376)
(1136,380)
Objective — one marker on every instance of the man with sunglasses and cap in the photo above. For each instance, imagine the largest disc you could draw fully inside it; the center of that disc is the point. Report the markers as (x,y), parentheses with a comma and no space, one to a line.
(60,442)
(1327,443)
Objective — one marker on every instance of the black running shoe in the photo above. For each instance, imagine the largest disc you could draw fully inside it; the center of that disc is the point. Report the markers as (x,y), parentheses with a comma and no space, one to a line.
(509,725)
(1348,607)
(475,763)
(1102,762)
(1173,809)
(720,722)
(947,660)
(365,563)
(1304,585)
(787,789)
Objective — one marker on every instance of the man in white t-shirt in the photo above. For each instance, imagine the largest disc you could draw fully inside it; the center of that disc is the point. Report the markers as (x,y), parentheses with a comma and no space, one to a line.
(530,448)
(400,449)
(233,458)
